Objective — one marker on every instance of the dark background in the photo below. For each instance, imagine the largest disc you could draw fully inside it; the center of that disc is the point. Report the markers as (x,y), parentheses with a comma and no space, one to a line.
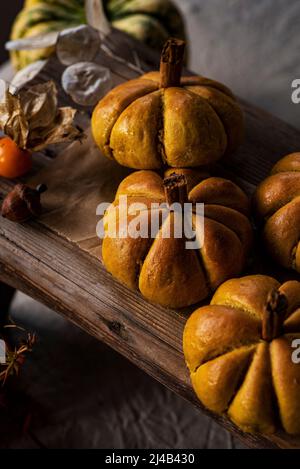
(8,11)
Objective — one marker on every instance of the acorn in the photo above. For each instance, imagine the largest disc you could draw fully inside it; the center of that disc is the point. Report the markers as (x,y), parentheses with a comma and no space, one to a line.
(23,203)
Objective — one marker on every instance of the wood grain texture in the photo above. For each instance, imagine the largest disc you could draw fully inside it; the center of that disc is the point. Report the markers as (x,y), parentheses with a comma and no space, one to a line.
(34,259)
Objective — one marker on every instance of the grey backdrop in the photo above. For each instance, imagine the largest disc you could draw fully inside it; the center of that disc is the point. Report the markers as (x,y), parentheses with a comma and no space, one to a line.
(252,45)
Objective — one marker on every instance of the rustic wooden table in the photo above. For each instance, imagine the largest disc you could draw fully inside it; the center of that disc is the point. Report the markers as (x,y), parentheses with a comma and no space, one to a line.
(46,266)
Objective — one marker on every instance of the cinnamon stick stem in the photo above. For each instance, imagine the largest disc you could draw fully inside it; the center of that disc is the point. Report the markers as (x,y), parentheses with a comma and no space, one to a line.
(171,63)
(176,189)
(273,316)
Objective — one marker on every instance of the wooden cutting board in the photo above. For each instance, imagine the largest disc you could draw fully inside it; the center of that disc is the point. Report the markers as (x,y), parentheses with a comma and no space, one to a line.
(56,259)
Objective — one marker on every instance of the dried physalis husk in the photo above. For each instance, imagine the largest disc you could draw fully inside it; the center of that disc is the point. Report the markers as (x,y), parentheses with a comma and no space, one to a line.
(25,75)
(39,41)
(77,44)
(96,17)
(86,82)
(33,119)
(4,86)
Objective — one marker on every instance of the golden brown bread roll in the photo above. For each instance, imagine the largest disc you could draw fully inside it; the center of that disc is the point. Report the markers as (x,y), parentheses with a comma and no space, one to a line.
(239,353)
(162,268)
(277,203)
(151,122)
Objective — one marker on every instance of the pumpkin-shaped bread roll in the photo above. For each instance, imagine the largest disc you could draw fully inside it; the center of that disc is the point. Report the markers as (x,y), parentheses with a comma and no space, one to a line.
(162,119)
(240,351)
(277,205)
(158,262)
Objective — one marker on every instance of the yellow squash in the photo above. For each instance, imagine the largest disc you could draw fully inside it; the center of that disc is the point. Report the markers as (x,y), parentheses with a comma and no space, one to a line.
(150,21)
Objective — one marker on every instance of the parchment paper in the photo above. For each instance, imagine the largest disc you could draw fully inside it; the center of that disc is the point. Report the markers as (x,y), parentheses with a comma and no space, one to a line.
(78,180)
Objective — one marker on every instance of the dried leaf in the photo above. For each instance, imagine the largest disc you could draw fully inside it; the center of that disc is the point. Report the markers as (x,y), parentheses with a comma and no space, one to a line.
(3,87)
(61,130)
(86,82)
(4,111)
(25,75)
(77,44)
(33,119)
(95,16)
(40,41)
(39,105)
